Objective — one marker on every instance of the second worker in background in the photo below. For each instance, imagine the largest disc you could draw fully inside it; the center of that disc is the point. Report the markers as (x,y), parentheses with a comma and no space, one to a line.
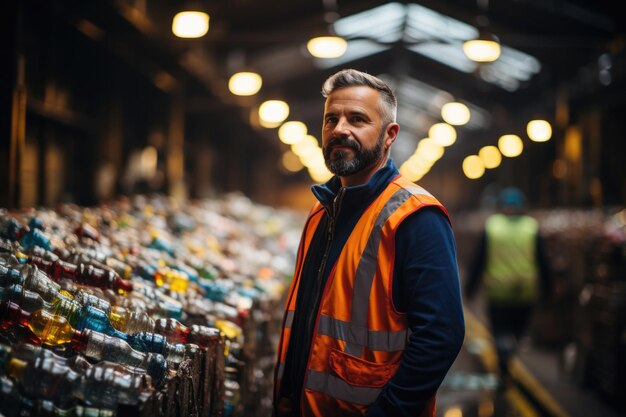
(374,314)
(511,264)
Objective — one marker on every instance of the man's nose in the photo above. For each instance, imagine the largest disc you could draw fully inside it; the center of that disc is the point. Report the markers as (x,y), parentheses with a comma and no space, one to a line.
(341,128)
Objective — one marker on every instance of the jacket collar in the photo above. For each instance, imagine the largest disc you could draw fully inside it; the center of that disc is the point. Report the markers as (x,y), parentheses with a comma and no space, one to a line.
(357,196)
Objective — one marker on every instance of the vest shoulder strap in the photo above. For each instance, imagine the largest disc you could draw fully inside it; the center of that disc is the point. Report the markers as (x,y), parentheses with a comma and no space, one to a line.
(421,194)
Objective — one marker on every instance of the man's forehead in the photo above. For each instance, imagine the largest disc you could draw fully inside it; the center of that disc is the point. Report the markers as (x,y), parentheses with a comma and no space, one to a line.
(352,99)
(357,91)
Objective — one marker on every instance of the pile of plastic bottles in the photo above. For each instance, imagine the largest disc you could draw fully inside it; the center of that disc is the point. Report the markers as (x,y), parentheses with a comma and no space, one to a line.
(141,306)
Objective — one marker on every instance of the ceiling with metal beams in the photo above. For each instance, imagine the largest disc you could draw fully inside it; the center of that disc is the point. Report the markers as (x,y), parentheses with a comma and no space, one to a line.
(551,48)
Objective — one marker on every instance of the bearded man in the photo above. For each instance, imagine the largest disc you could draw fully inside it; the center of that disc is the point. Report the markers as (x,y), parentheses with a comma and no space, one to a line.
(374,317)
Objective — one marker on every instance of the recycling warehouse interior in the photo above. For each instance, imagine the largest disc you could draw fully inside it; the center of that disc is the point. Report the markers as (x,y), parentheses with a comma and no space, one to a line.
(117,110)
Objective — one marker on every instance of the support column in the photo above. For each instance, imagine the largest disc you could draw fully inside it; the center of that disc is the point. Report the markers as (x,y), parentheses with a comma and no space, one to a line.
(175,157)
(12,103)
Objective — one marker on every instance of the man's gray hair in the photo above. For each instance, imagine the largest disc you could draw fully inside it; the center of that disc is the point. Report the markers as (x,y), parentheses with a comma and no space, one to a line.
(355,78)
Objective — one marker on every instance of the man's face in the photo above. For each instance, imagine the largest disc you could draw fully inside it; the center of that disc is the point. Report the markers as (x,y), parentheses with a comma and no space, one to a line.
(353,137)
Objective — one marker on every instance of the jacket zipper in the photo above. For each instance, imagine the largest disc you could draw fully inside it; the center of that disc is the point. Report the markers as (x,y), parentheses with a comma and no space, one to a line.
(331,231)
(332,217)
(296,274)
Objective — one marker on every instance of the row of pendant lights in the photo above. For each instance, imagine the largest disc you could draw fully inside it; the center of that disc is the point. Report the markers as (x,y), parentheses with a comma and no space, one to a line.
(272,113)
(195,24)
(443,134)
(191,24)
(440,136)
(304,151)
(509,145)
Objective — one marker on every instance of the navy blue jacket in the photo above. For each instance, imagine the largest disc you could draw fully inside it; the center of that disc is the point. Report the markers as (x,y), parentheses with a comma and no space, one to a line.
(425,286)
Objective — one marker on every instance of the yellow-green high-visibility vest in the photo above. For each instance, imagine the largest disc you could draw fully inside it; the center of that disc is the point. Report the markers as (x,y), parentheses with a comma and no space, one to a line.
(511,269)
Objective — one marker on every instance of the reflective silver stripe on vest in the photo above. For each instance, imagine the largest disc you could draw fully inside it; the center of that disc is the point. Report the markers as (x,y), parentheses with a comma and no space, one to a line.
(340,389)
(372,339)
(289,319)
(419,191)
(366,270)
(281,370)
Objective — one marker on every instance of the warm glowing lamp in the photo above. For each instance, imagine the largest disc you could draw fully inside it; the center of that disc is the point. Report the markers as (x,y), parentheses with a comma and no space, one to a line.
(315,159)
(455,113)
(320,173)
(190,24)
(539,130)
(245,83)
(442,134)
(510,145)
(473,167)
(327,46)
(292,132)
(429,150)
(305,147)
(273,112)
(490,156)
(485,48)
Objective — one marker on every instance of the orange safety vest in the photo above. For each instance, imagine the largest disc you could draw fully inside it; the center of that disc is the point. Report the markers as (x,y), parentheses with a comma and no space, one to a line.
(359,337)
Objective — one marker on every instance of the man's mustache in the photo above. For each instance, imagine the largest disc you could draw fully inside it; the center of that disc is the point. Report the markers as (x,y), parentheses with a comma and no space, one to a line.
(343,142)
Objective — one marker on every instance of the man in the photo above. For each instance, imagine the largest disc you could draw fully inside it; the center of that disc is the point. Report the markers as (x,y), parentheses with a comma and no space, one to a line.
(511,264)
(374,315)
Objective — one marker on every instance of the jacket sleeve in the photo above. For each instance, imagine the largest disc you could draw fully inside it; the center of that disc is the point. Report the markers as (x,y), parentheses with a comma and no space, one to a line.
(426,286)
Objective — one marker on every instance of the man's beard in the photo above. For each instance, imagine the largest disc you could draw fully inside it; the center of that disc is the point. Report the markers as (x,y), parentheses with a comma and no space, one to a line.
(363,158)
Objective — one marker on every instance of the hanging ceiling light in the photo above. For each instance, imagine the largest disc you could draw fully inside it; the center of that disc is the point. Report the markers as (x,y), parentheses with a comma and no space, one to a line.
(539,130)
(455,113)
(429,150)
(327,46)
(473,167)
(190,24)
(245,83)
(490,156)
(510,145)
(292,132)
(305,147)
(442,134)
(485,48)
(320,173)
(273,112)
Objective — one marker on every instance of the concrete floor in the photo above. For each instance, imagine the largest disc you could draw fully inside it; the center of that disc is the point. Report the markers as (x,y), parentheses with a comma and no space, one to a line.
(538,386)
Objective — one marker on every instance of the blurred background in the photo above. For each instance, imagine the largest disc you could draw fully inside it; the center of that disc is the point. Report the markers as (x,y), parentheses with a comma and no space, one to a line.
(108,90)
(195,100)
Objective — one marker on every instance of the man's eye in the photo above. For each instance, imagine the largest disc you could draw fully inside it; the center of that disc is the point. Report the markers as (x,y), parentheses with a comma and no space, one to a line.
(331,120)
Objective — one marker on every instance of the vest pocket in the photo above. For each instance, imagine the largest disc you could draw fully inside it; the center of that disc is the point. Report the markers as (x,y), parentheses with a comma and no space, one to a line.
(359,372)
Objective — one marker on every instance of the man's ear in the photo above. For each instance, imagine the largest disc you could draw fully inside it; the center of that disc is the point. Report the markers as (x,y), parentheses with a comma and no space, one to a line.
(391,133)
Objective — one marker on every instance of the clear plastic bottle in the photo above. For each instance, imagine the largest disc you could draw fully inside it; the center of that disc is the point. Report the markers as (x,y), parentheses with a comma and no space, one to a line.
(31,301)
(83,274)
(101,385)
(85,298)
(51,329)
(152,342)
(44,378)
(98,346)
(176,332)
(37,281)
(10,276)
(131,322)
